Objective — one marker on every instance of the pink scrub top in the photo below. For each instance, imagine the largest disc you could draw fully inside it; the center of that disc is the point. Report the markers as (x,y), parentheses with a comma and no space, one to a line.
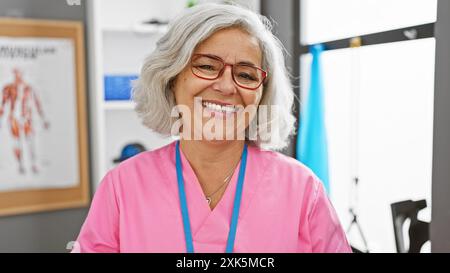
(284,208)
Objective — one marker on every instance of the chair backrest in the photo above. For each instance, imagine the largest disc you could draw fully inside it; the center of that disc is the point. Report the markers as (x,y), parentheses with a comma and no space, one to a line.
(418,230)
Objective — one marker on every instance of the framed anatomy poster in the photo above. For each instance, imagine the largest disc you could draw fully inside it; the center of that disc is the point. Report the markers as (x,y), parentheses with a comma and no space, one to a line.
(43,130)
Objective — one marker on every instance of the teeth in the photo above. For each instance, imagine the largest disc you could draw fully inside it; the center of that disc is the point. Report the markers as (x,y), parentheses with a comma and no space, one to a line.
(219,108)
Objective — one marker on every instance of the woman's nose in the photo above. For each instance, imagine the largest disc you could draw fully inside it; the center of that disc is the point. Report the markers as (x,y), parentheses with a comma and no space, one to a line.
(225,82)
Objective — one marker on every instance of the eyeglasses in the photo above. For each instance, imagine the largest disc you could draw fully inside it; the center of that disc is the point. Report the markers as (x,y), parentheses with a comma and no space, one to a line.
(211,67)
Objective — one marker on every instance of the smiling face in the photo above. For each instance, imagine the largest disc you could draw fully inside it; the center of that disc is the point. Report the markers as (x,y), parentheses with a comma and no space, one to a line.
(220,99)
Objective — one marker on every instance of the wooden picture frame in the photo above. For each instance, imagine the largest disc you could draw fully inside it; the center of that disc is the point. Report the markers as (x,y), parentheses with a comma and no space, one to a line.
(69,36)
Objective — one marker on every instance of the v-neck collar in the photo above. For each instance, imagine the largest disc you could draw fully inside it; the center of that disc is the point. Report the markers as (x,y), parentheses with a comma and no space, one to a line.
(192,179)
(203,219)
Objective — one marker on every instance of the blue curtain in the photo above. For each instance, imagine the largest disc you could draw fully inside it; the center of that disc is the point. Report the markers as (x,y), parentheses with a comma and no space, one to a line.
(312,139)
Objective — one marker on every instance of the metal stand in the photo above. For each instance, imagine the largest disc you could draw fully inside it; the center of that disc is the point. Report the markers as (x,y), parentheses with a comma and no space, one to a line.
(355,216)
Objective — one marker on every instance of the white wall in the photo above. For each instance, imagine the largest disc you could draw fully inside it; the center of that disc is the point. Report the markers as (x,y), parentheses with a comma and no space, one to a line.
(326,20)
(379,117)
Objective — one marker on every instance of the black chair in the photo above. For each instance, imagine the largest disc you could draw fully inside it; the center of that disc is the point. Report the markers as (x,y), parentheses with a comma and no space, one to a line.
(419,231)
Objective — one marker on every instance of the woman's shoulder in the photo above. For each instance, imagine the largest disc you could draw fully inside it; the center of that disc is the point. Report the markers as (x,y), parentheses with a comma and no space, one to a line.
(286,169)
(146,164)
(148,158)
(280,162)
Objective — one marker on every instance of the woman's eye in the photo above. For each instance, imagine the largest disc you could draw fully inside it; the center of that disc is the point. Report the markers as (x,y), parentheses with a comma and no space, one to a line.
(206,67)
(247,76)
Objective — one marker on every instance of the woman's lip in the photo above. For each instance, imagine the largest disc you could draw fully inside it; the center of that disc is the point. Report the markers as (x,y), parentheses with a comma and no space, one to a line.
(219,102)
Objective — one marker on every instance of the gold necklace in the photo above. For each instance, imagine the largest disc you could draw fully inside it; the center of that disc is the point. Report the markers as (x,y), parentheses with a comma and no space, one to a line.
(226,180)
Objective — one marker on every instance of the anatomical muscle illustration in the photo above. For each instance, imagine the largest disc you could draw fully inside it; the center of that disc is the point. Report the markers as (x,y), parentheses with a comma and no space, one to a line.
(18,102)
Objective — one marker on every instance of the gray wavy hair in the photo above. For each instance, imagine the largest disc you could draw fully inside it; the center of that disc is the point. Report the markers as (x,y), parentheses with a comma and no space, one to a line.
(152,91)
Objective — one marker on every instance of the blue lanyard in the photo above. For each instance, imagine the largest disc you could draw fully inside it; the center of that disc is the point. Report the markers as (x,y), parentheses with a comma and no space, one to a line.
(236,205)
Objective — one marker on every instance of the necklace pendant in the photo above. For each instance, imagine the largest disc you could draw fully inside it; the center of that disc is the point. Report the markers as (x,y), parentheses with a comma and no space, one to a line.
(208,199)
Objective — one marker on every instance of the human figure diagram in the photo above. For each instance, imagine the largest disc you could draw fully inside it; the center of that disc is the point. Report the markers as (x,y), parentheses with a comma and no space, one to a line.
(19,100)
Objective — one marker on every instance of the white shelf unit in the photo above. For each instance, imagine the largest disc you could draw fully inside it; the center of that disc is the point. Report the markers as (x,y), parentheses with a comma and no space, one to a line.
(137,29)
(118,105)
(118,43)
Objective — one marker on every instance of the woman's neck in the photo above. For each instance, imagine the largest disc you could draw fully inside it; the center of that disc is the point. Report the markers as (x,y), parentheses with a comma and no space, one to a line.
(205,156)
(213,163)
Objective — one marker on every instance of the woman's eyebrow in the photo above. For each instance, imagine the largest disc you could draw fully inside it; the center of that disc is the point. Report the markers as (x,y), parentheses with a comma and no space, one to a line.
(218,57)
(247,63)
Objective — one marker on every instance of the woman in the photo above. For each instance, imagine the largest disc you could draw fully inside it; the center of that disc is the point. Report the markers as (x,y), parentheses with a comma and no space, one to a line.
(219,188)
